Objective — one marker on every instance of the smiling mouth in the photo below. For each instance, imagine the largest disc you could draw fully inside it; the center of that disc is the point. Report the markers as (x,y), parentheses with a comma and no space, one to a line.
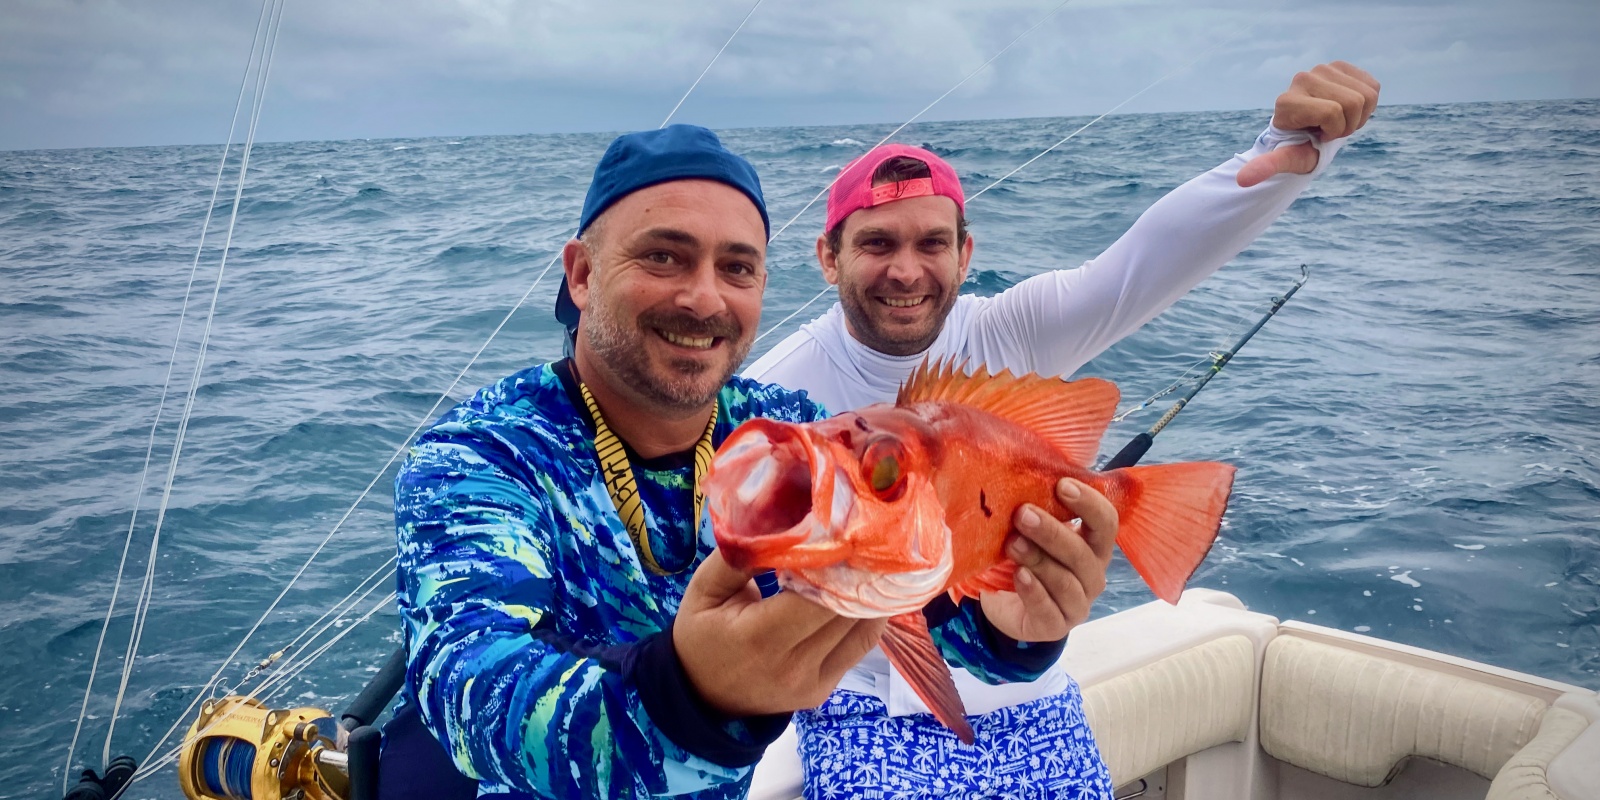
(902,302)
(690,342)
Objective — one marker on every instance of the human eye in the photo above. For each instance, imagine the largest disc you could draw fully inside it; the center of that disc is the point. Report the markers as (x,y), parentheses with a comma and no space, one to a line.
(659,257)
(741,273)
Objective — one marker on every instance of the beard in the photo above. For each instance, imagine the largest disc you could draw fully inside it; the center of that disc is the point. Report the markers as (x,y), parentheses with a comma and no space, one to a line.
(869,322)
(683,384)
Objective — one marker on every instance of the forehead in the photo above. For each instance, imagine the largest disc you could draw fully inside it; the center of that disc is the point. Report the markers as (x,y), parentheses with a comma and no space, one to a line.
(715,213)
(910,216)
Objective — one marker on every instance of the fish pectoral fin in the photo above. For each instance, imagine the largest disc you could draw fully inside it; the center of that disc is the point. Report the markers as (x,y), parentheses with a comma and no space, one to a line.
(999,578)
(910,648)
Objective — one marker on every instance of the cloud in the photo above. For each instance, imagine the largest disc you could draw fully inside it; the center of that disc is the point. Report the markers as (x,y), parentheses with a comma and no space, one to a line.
(125,72)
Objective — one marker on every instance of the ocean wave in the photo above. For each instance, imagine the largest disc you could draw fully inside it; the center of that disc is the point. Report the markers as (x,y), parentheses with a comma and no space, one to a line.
(1429,391)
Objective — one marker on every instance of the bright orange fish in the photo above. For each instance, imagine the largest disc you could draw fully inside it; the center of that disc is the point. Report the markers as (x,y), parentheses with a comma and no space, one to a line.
(873,513)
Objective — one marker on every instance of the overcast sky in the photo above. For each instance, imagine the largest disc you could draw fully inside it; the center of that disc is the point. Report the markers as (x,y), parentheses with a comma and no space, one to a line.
(77,73)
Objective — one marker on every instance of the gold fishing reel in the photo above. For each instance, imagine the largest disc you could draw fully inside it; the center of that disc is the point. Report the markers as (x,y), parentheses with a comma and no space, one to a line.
(239,749)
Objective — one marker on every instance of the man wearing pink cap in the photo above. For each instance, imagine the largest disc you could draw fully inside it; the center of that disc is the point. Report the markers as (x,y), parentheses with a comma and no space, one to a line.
(897,247)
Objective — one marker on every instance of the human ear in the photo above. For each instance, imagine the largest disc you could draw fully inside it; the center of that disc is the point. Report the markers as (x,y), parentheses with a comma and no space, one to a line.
(579,267)
(966,258)
(828,260)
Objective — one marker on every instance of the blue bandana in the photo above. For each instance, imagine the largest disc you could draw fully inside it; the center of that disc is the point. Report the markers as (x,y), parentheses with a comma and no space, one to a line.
(635,161)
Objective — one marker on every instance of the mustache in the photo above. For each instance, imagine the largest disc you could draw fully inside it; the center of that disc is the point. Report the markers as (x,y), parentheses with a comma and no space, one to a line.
(682,323)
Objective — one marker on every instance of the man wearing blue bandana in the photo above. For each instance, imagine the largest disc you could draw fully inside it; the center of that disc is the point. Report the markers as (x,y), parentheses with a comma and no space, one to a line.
(570,631)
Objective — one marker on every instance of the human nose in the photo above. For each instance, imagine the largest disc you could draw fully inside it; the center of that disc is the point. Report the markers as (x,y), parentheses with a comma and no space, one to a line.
(701,293)
(903,267)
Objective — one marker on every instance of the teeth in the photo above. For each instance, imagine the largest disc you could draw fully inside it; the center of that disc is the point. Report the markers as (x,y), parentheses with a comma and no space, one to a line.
(907,302)
(698,343)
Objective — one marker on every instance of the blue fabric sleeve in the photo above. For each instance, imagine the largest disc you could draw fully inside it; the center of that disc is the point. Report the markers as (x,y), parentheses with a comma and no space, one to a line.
(967,639)
(512,700)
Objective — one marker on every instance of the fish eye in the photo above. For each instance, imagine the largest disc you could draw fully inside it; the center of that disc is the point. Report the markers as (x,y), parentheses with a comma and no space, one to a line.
(881,463)
(885,473)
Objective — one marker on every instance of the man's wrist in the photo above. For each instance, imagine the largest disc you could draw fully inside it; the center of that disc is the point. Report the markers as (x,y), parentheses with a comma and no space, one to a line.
(1030,657)
(656,672)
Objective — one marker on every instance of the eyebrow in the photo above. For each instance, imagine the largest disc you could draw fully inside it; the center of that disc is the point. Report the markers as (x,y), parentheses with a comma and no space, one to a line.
(868,233)
(682,237)
(673,235)
(743,249)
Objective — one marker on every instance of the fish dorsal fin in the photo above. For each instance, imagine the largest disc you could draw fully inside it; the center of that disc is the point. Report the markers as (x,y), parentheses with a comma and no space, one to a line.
(1071,415)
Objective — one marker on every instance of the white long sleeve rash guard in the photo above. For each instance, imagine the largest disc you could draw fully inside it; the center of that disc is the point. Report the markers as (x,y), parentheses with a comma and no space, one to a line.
(1051,324)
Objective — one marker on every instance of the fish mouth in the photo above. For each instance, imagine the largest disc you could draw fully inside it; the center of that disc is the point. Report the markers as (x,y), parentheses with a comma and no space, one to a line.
(778,491)
(763,492)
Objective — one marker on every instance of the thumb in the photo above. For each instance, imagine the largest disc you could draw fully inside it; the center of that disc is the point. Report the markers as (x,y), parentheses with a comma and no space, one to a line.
(716,581)
(1299,159)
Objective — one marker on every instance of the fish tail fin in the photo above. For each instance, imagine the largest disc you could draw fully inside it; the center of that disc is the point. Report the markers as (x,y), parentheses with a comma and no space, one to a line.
(910,648)
(1170,518)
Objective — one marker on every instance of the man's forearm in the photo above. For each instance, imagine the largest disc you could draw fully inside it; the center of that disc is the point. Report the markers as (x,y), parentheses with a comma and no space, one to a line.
(1056,322)
(521,709)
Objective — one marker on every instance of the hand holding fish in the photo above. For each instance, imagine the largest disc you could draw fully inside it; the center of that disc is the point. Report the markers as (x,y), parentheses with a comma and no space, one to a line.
(875,512)
(1331,101)
(748,656)
(1061,566)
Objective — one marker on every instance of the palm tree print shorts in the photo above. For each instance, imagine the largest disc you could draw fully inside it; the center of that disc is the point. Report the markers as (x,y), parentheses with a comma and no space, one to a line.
(851,748)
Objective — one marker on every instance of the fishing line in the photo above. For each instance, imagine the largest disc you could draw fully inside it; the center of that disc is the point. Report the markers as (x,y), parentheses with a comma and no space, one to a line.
(1113,110)
(152,767)
(918,116)
(292,661)
(1139,445)
(1238,320)
(713,60)
(147,593)
(1176,384)
(404,444)
(166,383)
(272,681)
(335,609)
(1063,140)
(280,683)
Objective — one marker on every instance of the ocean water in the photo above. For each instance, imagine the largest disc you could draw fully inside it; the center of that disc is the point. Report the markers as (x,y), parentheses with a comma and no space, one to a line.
(1416,431)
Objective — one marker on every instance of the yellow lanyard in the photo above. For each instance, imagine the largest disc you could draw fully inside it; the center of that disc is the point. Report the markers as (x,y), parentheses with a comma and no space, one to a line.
(618,474)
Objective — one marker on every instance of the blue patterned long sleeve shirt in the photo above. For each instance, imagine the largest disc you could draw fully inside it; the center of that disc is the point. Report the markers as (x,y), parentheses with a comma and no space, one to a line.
(540,650)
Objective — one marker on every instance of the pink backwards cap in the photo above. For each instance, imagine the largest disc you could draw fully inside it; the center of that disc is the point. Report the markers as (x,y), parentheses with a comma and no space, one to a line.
(854,191)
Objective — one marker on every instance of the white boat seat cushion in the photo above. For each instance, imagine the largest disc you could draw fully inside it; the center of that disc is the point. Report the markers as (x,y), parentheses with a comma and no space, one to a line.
(1525,776)
(1355,717)
(1184,703)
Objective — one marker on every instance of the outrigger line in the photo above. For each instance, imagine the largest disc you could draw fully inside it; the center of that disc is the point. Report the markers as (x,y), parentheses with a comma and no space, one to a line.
(1135,449)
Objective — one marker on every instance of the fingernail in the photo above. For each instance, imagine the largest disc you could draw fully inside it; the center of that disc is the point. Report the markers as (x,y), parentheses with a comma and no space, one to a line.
(1024,577)
(1028,518)
(1020,548)
(1068,489)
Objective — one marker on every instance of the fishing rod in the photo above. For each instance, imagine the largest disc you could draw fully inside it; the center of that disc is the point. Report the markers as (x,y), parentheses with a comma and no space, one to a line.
(1135,449)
